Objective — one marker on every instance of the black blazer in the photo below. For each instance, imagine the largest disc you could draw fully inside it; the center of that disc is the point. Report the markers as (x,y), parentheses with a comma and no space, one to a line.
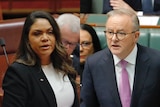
(99,87)
(33,89)
(135,4)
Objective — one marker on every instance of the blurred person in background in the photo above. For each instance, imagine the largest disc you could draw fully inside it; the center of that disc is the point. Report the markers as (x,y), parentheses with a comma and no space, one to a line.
(148,7)
(89,44)
(70,26)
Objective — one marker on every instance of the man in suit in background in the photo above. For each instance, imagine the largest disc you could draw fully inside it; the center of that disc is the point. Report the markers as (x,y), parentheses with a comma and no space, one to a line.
(69,25)
(136,5)
(104,73)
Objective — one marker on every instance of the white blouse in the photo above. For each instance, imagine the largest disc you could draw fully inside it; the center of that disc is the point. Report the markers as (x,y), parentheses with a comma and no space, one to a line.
(61,85)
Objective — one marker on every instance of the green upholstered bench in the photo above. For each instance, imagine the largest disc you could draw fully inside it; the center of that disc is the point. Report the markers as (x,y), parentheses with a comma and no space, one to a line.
(144,39)
(148,37)
(102,39)
(101,36)
(154,41)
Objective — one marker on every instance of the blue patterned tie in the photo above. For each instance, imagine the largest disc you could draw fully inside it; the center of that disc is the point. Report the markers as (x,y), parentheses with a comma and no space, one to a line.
(147,6)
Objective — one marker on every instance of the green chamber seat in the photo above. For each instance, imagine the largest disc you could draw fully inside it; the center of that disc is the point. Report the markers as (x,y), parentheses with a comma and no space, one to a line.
(144,39)
(102,39)
(154,41)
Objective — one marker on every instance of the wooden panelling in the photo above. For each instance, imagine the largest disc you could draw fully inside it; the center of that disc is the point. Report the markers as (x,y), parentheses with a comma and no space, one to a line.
(1,16)
(52,6)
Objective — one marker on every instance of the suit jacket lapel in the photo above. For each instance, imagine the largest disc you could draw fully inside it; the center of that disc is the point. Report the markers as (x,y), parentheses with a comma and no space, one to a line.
(141,71)
(111,77)
(44,86)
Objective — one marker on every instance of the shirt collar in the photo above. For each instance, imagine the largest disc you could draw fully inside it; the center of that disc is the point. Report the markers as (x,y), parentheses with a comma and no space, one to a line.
(131,58)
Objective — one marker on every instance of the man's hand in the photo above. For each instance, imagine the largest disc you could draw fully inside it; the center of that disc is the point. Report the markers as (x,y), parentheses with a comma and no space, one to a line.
(117,4)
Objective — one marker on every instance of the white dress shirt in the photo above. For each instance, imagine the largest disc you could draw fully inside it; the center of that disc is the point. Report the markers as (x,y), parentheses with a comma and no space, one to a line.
(131,59)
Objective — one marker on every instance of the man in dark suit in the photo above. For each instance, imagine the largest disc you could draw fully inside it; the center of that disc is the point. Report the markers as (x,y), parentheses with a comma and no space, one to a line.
(136,5)
(70,27)
(102,80)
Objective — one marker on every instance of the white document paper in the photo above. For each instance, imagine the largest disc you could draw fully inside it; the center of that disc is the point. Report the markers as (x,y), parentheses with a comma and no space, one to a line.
(148,20)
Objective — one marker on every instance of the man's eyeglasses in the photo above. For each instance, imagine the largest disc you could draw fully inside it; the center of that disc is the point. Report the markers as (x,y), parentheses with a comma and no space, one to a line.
(119,35)
(85,44)
(71,44)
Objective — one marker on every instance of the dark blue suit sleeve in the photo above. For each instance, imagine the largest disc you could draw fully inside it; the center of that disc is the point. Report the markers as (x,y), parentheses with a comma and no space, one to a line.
(88,96)
(106,6)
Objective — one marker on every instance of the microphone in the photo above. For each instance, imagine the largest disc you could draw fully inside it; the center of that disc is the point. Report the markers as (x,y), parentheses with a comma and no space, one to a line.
(2,43)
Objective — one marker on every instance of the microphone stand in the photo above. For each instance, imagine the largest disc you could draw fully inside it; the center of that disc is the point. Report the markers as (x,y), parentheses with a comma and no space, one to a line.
(2,43)
(5,53)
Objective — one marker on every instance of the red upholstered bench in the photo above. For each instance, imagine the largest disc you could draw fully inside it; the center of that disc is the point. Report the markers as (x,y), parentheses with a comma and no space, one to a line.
(10,31)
